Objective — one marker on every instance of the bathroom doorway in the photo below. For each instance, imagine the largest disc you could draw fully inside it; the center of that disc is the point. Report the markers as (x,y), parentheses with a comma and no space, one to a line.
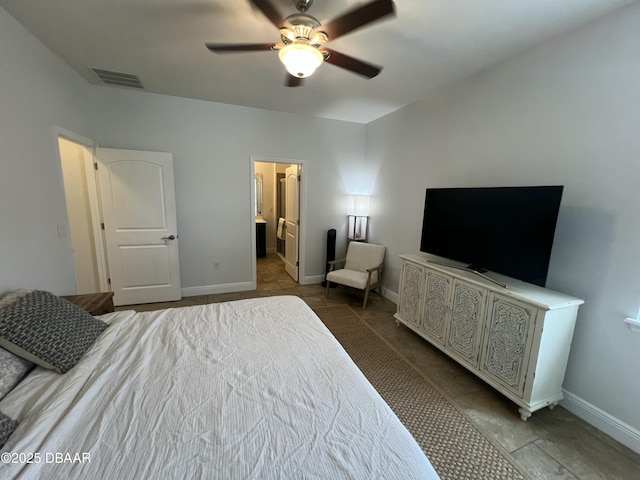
(281,212)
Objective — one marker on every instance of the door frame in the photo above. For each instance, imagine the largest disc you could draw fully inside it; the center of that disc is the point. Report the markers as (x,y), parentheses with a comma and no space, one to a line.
(302,231)
(89,146)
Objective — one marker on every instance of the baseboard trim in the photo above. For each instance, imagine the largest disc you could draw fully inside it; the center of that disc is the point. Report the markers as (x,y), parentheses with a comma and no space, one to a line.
(393,296)
(311,280)
(238,287)
(213,289)
(612,426)
(615,428)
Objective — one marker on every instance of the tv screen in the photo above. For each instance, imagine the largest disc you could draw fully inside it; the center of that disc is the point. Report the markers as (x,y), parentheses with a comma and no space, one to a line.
(508,230)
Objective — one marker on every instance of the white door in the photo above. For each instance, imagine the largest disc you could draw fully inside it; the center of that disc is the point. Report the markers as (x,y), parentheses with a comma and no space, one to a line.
(292,220)
(139,213)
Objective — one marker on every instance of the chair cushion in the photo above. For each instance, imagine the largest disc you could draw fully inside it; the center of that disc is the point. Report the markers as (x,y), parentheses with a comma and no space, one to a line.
(352,278)
(362,256)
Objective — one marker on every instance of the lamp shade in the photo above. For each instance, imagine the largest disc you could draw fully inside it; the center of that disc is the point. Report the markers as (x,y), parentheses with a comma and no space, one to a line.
(358,205)
(300,59)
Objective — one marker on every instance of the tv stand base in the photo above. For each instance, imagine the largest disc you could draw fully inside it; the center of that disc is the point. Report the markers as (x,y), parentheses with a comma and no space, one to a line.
(516,340)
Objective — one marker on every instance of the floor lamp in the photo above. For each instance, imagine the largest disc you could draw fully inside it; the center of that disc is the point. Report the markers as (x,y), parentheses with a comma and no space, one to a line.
(358,216)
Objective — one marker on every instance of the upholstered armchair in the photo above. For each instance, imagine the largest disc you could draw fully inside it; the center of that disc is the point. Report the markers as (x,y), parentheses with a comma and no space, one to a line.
(362,268)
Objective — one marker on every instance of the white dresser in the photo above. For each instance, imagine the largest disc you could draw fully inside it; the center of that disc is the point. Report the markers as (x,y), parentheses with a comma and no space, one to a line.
(516,339)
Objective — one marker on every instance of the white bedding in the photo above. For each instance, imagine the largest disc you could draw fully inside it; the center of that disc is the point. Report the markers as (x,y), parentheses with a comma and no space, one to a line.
(249,389)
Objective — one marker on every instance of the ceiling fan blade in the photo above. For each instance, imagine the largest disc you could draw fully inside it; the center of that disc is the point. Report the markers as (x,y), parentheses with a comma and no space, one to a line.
(238,47)
(266,7)
(357,18)
(352,64)
(292,81)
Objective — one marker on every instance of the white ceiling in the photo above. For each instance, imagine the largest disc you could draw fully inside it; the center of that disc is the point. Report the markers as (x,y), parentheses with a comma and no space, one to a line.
(429,44)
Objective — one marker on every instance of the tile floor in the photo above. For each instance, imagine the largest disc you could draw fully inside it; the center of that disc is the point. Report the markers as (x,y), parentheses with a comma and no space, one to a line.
(552,444)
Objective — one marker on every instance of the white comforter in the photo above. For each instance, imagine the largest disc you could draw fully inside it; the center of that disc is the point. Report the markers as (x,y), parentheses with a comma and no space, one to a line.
(250,389)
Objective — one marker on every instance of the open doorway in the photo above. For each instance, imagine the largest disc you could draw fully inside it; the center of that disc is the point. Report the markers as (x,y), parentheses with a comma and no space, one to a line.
(121,221)
(83,214)
(278,211)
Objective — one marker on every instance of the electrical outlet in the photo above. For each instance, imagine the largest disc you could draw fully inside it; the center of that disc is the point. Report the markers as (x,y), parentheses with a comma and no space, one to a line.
(216,265)
(63,230)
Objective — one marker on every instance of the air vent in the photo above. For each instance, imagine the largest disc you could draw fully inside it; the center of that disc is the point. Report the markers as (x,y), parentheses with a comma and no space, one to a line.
(117,78)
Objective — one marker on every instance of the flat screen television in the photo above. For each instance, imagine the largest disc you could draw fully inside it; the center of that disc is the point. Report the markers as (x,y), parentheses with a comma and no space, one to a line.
(508,230)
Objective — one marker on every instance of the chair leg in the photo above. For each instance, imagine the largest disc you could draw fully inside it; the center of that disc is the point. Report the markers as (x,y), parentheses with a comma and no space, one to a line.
(366,297)
(326,294)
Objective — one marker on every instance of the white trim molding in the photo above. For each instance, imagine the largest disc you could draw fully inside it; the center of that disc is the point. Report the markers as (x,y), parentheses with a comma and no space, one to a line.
(311,279)
(615,428)
(623,433)
(213,289)
(390,295)
(302,235)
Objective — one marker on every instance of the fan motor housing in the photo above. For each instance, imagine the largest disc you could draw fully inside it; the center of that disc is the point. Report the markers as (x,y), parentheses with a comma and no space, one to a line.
(302,19)
(303,5)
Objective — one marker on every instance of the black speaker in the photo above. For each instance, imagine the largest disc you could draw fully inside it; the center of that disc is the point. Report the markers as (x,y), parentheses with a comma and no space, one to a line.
(331,253)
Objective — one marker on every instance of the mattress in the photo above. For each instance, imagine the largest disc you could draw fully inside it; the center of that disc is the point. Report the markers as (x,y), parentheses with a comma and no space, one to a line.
(249,389)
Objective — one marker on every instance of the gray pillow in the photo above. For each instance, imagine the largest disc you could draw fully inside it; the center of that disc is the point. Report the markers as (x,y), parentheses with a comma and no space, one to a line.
(7,426)
(12,370)
(48,330)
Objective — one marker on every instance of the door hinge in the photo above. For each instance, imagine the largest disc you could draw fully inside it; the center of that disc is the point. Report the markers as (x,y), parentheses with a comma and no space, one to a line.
(102,225)
(95,166)
(109,281)
(299,178)
(297,264)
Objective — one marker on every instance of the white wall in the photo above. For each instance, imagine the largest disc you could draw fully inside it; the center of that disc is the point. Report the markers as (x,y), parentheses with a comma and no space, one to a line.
(37,92)
(567,113)
(212,145)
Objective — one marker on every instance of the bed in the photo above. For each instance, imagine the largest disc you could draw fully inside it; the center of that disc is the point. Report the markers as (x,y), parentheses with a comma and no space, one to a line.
(255,388)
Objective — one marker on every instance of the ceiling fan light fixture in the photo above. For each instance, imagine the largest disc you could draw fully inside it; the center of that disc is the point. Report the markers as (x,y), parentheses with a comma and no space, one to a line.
(300,59)
(303,37)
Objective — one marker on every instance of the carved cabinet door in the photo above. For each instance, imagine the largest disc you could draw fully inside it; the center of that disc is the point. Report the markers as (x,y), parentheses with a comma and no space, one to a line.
(412,279)
(508,341)
(467,320)
(437,311)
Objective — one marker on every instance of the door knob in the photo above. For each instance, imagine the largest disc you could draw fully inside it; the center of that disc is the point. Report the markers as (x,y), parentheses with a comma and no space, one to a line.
(170,237)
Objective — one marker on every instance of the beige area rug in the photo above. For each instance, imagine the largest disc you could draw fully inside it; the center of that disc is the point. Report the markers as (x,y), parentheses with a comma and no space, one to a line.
(454,446)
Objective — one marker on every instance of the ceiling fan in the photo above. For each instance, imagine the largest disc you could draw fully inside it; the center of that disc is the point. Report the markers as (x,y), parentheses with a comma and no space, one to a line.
(303,38)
